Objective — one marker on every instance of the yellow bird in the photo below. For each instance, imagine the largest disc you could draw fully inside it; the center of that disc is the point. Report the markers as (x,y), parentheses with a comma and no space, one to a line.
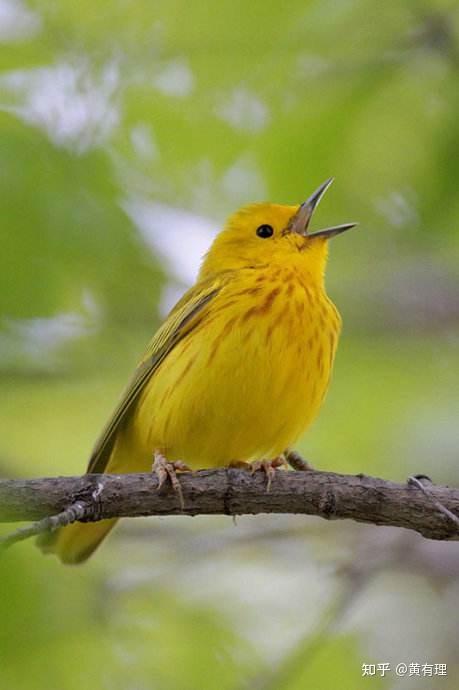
(239,368)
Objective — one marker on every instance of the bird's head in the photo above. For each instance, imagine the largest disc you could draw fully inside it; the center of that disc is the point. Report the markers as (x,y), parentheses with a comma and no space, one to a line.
(267,234)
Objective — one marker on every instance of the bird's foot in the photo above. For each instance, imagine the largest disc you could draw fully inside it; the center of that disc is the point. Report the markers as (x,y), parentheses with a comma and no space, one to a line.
(166,470)
(269,467)
(296,461)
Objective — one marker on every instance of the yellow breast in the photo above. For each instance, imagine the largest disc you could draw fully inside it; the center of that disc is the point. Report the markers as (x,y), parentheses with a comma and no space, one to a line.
(248,380)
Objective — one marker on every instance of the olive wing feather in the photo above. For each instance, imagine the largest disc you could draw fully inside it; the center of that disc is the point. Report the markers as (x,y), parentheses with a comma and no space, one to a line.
(185,316)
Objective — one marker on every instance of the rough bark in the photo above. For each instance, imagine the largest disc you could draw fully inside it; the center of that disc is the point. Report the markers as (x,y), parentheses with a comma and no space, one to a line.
(421,506)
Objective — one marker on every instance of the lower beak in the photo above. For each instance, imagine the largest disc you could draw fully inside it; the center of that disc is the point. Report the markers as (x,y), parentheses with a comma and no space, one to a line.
(299,223)
(333,231)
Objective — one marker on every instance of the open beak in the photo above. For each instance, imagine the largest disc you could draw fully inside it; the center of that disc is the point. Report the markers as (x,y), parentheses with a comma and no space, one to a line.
(299,223)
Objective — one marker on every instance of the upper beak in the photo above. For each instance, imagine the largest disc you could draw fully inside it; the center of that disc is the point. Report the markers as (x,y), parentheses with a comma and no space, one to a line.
(299,223)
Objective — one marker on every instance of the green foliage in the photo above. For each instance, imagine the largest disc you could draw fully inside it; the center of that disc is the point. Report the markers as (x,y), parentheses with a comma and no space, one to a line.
(64,232)
(45,631)
(336,664)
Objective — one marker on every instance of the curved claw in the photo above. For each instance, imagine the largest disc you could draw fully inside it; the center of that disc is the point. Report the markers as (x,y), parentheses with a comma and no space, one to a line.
(165,470)
(269,467)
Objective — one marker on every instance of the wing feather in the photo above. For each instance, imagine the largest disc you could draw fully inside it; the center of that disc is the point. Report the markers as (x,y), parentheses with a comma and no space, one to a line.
(186,314)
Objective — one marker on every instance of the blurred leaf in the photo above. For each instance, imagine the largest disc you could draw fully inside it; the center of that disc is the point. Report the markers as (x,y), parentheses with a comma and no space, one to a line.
(337,664)
(47,629)
(70,237)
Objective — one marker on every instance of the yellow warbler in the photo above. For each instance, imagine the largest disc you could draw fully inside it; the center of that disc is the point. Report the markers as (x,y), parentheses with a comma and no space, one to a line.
(240,366)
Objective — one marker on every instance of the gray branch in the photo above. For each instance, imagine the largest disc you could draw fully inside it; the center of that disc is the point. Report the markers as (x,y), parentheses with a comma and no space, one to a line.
(428,509)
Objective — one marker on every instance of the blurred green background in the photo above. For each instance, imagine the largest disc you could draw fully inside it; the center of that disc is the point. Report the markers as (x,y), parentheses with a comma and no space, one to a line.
(128,131)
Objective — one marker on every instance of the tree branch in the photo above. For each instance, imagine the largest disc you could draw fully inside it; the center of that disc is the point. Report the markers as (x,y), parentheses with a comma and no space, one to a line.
(77,511)
(430,510)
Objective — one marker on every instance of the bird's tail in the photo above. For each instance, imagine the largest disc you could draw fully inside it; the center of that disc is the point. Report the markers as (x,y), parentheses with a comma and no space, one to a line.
(75,543)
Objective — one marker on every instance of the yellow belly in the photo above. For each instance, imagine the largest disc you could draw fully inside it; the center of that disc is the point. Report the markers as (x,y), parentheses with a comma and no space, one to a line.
(244,385)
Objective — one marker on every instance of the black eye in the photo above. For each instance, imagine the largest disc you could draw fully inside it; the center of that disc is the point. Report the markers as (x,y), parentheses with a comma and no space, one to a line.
(265,231)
